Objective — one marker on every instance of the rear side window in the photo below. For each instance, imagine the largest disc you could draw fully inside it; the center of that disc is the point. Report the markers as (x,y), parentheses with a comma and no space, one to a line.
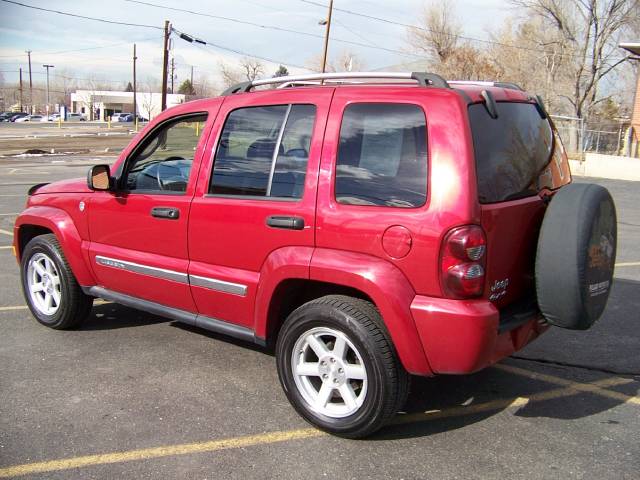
(382,156)
(511,151)
(263,152)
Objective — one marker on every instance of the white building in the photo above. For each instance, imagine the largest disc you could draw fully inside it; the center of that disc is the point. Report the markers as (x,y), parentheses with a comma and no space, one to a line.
(100,104)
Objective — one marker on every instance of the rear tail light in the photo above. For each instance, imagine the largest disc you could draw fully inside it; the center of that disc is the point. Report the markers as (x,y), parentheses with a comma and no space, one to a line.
(462,262)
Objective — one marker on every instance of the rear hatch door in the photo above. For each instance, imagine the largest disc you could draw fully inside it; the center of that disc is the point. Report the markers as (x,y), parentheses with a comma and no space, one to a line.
(519,160)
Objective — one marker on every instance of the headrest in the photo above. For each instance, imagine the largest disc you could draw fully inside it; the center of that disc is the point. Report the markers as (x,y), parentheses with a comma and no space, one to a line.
(263,148)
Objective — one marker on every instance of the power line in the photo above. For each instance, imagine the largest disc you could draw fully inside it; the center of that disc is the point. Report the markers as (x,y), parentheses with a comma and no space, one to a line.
(103,20)
(354,32)
(277,28)
(241,52)
(80,49)
(66,77)
(417,27)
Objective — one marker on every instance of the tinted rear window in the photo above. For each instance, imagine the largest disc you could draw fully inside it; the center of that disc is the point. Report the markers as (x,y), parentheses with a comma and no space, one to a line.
(382,156)
(511,151)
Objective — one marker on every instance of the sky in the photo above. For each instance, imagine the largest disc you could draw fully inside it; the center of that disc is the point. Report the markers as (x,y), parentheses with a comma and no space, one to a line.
(86,49)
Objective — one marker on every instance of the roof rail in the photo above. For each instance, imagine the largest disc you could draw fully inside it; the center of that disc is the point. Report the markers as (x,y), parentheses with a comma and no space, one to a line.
(423,78)
(508,85)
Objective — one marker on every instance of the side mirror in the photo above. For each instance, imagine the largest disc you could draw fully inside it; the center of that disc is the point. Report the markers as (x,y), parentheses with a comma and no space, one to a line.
(99,178)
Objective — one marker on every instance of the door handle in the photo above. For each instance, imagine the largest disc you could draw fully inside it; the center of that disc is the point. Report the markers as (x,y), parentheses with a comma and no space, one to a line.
(165,212)
(291,223)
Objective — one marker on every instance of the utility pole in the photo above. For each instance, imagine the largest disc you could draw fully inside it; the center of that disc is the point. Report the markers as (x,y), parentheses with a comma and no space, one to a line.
(20,88)
(192,79)
(135,104)
(30,84)
(48,67)
(327,22)
(173,68)
(165,61)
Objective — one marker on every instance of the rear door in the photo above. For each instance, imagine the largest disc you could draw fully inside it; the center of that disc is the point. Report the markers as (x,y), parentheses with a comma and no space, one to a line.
(519,157)
(256,196)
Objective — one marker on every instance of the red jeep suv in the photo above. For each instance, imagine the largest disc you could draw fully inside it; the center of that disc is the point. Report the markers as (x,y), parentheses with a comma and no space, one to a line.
(369,225)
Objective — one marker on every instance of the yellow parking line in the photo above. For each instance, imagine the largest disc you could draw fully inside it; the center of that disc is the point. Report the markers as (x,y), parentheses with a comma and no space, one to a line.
(156,452)
(24,307)
(628,264)
(6,247)
(6,232)
(595,387)
(283,436)
(13,307)
(503,403)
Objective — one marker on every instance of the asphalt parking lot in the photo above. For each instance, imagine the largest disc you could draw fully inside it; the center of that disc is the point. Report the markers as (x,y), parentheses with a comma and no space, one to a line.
(131,395)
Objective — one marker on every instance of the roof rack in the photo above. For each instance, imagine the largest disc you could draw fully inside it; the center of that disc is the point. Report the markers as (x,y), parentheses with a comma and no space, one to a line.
(424,79)
(508,85)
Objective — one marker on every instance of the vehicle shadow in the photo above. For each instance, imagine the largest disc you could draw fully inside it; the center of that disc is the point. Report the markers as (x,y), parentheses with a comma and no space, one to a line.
(111,316)
(223,338)
(445,403)
(607,351)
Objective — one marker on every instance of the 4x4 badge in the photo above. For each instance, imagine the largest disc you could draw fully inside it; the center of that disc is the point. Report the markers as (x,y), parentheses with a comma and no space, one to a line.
(499,289)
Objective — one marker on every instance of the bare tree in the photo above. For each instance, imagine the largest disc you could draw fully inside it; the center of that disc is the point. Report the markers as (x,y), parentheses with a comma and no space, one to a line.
(230,75)
(252,68)
(248,69)
(346,61)
(2,93)
(588,32)
(531,54)
(439,32)
(147,101)
(438,39)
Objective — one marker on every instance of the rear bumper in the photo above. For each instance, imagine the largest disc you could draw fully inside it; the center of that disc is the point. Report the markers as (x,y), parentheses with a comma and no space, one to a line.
(464,336)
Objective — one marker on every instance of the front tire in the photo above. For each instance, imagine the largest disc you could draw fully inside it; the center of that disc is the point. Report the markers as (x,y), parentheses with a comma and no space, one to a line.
(338,367)
(49,286)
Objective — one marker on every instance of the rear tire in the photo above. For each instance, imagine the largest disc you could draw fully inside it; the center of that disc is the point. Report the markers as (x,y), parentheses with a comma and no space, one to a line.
(338,367)
(49,286)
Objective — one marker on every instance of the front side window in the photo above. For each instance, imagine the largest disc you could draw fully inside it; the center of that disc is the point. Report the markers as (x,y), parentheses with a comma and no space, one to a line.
(263,152)
(382,156)
(164,162)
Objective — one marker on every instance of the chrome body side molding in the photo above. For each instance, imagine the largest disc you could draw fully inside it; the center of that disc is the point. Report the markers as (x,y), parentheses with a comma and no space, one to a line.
(197,280)
(219,285)
(143,269)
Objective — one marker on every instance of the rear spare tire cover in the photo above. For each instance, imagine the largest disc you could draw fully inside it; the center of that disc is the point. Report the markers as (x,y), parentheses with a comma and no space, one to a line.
(576,256)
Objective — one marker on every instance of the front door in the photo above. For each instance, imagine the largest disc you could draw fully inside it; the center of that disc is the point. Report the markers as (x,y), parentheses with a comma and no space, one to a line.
(139,233)
(255,202)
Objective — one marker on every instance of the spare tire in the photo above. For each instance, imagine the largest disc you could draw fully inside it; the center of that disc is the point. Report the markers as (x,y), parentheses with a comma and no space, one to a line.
(576,256)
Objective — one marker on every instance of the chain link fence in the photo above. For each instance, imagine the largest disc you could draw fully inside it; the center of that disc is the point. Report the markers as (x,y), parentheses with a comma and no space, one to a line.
(580,137)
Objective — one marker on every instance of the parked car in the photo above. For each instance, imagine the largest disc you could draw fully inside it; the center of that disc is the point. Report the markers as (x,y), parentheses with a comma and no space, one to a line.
(5,116)
(129,118)
(30,118)
(76,117)
(18,115)
(54,117)
(336,223)
(119,117)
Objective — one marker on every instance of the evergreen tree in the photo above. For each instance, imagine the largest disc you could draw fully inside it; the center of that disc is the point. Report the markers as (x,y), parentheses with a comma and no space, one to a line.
(281,72)
(186,88)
